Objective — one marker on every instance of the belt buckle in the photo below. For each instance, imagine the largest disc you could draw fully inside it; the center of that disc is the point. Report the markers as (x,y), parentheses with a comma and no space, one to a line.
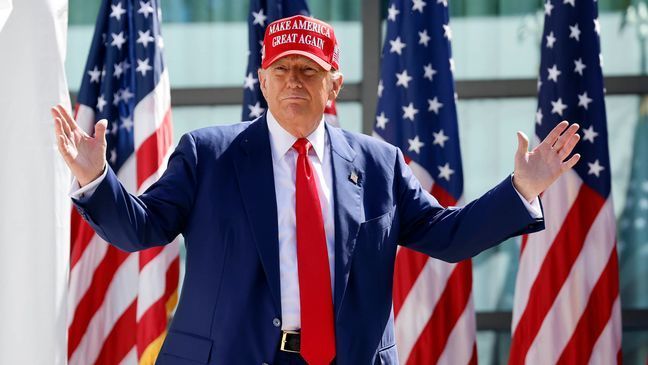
(284,340)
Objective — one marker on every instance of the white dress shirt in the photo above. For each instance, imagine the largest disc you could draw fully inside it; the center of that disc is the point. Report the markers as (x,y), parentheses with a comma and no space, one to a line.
(284,160)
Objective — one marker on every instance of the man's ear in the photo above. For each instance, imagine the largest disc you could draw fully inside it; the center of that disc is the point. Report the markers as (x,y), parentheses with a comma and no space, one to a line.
(262,80)
(336,86)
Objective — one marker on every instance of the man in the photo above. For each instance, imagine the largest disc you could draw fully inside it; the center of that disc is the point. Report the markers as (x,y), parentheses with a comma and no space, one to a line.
(291,225)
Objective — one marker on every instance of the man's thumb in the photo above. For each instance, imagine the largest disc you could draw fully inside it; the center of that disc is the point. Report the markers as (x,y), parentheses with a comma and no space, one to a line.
(100,129)
(523,143)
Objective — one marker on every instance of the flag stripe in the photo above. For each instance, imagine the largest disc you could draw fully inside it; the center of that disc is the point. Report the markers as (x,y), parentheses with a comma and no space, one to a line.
(81,274)
(607,348)
(152,290)
(555,268)
(120,340)
(83,233)
(452,303)
(94,297)
(584,273)
(461,334)
(557,205)
(151,152)
(596,316)
(408,267)
(121,293)
(419,305)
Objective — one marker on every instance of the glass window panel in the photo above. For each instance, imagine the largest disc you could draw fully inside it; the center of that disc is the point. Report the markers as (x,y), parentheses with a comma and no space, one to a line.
(508,46)
(206,42)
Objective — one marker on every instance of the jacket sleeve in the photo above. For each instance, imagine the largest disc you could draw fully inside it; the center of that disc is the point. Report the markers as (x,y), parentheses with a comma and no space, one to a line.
(454,234)
(154,218)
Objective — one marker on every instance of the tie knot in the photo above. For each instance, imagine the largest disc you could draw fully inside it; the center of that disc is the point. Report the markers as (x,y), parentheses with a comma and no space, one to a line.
(302,146)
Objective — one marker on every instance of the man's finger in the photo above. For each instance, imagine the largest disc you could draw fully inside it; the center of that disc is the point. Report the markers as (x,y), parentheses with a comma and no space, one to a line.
(100,129)
(69,120)
(523,143)
(565,137)
(571,162)
(552,137)
(569,146)
(59,127)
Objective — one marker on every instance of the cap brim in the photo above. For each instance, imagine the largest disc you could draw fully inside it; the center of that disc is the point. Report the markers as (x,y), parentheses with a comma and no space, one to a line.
(325,65)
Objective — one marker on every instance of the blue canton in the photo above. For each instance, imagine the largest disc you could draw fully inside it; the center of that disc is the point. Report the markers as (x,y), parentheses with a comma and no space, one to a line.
(416,99)
(124,65)
(570,86)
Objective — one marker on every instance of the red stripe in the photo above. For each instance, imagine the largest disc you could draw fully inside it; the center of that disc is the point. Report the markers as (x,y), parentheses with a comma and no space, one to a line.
(120,340)
(555,269)
(154,320)
(150,154)
(444,198)
(525,239)
(597,314)
(473,358)
(81,234)
(452,303)
(148,255)
(151,325)
(94,296)
(172,278)
(409,263)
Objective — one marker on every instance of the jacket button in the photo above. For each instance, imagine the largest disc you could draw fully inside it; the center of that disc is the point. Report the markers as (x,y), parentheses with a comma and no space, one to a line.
(265,363)
(276,322)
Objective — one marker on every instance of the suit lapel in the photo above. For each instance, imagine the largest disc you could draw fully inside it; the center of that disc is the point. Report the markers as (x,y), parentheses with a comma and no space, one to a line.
(347,197)
(256,179)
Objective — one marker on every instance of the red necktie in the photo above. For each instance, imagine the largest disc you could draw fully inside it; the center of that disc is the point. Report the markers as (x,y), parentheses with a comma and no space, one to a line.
(317,343)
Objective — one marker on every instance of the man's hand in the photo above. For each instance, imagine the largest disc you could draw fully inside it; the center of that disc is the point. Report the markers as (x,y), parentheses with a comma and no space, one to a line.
(536,170)
(84,155)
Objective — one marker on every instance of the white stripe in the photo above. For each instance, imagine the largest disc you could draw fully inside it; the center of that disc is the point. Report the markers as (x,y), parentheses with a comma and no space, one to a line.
(130,358)
(419,305)
(609,342)
(423,176)
(83,272)
(459,348)
(556,202)
(150,111)
(152,282)
(85,118)
(561,320)
(121,292)
(128,174)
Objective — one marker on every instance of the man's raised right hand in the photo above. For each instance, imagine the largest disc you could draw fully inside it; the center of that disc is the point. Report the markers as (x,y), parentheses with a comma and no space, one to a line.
(85,155)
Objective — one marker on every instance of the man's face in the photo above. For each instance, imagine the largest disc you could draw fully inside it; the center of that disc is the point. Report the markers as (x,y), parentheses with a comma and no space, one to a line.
(297,89)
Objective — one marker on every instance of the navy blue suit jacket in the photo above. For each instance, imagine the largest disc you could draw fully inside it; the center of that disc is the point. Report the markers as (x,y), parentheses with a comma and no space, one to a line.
(218,191)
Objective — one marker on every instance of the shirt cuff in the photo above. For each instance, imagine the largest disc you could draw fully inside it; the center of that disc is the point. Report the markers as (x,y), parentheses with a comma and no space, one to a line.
(78,192)
(533,208)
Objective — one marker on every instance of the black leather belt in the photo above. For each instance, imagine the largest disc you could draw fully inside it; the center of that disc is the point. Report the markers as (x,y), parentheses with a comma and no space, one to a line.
(289,341)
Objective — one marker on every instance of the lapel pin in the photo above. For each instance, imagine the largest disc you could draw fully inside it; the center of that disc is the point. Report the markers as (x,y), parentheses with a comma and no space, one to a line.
(353,177)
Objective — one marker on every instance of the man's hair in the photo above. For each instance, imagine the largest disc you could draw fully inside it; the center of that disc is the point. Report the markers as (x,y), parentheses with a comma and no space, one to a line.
(335,74)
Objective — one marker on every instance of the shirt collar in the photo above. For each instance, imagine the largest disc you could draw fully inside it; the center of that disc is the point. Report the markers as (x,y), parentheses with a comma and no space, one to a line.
(281,141)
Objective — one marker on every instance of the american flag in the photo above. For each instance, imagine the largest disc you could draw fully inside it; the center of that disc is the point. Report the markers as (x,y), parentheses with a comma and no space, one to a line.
(567,307)
(119,303)
(433,306)
(262,13)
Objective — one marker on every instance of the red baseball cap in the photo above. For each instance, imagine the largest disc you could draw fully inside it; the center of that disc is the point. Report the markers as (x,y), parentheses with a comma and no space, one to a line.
(301,35)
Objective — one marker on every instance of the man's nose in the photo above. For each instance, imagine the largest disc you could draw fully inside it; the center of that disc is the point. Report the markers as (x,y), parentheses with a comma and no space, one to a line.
(294,79)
